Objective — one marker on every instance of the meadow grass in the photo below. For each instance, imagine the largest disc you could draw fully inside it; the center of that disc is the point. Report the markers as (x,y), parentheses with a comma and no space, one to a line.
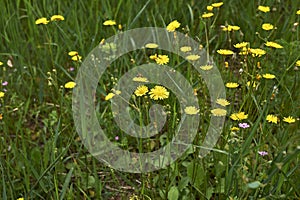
(42,156)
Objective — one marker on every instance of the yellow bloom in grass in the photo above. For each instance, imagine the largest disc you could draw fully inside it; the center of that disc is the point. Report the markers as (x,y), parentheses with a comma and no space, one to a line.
(73,53)
(162,59)
(153,57)
(151,45)
(272,119)
(192,57)
(2,94)
(57,18)
(76,58)
(274,45)
(21,198)
(42,20)
(231,28)
(254,84)
(241,45)
(222,102)
(185,49)
(238,116)
(159,92)
(140,79)
(209,8)
(297,63)
(191,110)
(207,15)
(267,26)
(109,96)
(173,26)
(268,76)
(109,23)
(232,85)
(289,119)
(264,9)
(206,67)
(257,52)
(141,90)
(1,63)
(234,128)
(225,52)
(298,12)
(70,85)
(219,112)
(217,5)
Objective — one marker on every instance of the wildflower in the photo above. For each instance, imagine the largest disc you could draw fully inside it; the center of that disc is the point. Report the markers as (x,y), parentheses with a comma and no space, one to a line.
(244,125)
(232,85)
(298,12)
(217,5)
(267,26)
(272,119)
(73,53)
(262,153)
(173,26)
(209,8)
(21,198)
(238,116)
(297,63)
(231,28)
(1,63)
(76,58)
(159,92)
(207,15)
(185,48)
(274,45)
(206,67)
(289,119)
(1,116)
(141,90)
(222,102)
(109,96)
(117,138)
(264,9)
(257,52)
(192,57)
(234,128)
(226,64)
(253,84)
(70,85)
(162,59)
(225,52)
(140,79)
(191,110)
(57,18)
(241,45)
(109,23)
(218,112)
(5,83)
(2,94)
(71,69)
(151,45)
(268,76)
(153,57)
(42,20)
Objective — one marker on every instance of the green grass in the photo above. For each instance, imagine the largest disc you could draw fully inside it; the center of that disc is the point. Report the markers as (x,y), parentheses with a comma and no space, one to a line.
(41,155)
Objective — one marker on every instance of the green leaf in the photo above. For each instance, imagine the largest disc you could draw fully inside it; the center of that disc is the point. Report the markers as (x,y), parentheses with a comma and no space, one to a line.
(254,185)
(173,193)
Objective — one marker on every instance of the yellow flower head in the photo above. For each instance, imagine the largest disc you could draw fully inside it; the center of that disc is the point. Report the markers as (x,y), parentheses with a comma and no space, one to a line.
(298,63)
(274,45)
(42,20)
(76,58)
(173,26)
(268,76)
(1,63)
(192,57)
(231,28)
(57,18)
(185,49)
(162,59)
(109,96)
(225,52)
(70,85)
(141,90)
(21,198)
(217,5)
(159,92)
(73,53)
(267,26)
(241,45)
(264,9)
(257,52)
(109,23)
(140,79)
(151,45)
(222,102)
(238,116)
(206,67)
(2,94)
(209,8)
(298,12)
(219,112)
(232,85)
(234,128)
(191,110)
(207,15)
(289,119)
(272,119)
(153,57)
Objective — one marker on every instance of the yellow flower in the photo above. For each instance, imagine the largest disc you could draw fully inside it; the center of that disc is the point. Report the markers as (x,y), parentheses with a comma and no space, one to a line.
(267,26)
(238,116)
(241,45)
(231,28)
(151,45)
(207,15)
(219,112)
(191,110)
(264,9)
(173,26)
(192,57)
(109,96)
(162,59)
(1,63)
(2,94)
(298,12)
(297,63)
(289,119)
(185,48)
(70,85)
(159,92)
(268,76)
(76,58)
(42,20)
(1,116)
(57,18)
(222,102)
(73,53)
(257,52)
(109,23)
(274,44)
(225,52)
(234,128)
(153,57)
(272,119)
(217,5)
(140,79)
(21,198)
(141,90)
(206,67)
(253,84)
(232,85)
(209,8)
